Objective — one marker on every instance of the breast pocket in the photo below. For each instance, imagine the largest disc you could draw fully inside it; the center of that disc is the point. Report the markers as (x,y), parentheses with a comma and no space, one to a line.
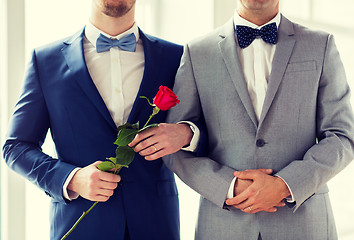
(301,66)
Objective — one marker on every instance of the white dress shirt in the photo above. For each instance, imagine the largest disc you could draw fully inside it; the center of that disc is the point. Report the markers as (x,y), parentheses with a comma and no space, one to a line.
(256,62)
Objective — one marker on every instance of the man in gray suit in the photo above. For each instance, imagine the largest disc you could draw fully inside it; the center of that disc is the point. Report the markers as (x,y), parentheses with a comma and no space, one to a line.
(276,105)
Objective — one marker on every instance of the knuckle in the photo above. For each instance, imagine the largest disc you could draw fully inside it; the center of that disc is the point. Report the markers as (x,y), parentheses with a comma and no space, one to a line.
(143,144)
(110,177)
(169,144)
(94,175)
(143,152)
(116,179)
(252,191)
(165,132)
(91,184)
(91,194)
(137,137)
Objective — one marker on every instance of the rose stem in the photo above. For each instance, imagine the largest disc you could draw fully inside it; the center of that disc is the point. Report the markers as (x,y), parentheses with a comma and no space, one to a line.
(78,221)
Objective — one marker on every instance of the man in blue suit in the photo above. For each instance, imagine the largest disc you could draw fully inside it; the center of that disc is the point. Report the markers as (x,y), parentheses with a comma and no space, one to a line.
(81,92)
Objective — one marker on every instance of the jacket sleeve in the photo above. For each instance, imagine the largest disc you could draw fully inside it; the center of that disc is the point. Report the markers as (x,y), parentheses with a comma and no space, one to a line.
(206,176)
(27,131)
(335,132)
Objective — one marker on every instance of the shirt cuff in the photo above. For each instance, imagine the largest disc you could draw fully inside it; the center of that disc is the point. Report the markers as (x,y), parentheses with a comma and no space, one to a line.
(68,194)
(230,193)
(289,199)
(195,139)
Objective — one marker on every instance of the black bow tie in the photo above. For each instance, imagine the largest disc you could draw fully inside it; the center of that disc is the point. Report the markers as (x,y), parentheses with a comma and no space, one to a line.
(246,35)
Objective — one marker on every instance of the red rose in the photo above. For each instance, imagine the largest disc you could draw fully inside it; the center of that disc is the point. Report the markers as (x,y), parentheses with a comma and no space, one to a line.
(165,99)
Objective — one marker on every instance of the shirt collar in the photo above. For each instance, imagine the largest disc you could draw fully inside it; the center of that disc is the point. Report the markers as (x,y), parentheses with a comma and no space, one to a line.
(92,33)
(238,20)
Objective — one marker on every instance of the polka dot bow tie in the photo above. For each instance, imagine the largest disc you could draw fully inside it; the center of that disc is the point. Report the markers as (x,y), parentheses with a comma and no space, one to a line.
(246,35)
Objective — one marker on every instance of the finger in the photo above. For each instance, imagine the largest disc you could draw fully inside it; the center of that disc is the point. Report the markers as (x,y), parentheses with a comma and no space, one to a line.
(105,192)
(141,136)
(253,211)
(156,155)
(272,209)
(242,197)
(109,177)
(249,209)
(281,204)
(108,185)
(247,174)
(266,170)
(96,163)
(100,198)
(147,142)
(152,149)
(245,204)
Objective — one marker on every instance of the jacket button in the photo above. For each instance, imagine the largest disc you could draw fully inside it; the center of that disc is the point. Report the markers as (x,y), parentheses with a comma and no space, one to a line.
(260,143)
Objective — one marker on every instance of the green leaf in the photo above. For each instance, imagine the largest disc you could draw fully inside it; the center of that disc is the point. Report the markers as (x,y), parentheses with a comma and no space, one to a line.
(149,126)
(105,166)
(113,160)
(124,155)
(121,166)
(128,125)
(125,136)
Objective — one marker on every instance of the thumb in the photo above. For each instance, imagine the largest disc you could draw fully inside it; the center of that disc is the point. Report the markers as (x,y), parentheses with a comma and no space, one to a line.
(95,164)
(266,170)
(247,174)
(251,173)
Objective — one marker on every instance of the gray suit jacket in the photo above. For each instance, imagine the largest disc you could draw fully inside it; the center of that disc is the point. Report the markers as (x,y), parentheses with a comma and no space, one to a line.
(305,132)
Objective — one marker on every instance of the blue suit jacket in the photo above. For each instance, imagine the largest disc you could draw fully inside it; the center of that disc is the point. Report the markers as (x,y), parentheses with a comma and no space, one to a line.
(60,95)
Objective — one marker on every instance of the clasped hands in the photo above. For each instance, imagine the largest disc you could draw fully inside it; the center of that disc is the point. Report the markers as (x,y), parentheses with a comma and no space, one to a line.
(257,190)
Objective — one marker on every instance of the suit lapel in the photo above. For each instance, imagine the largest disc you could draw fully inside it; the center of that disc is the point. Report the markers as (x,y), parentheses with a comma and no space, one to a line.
(281,58)
(229,53)
(150,83)
(74,56)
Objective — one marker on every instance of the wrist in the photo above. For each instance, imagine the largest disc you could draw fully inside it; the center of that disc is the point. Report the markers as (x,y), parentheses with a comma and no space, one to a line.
(72,185)
(188,133)
(283,187)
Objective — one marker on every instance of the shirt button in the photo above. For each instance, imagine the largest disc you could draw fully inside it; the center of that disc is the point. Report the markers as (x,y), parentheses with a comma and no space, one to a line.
(117,91)
(260,143)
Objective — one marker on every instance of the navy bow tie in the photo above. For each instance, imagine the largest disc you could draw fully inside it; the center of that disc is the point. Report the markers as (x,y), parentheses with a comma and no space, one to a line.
(127,43)
(246,35)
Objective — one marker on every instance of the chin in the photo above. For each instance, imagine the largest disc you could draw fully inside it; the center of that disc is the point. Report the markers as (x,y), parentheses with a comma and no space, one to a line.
(118,8)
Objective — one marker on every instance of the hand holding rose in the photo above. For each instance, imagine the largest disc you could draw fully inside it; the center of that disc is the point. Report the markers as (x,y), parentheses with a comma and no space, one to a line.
(91,183)
(163,140)
(166,138)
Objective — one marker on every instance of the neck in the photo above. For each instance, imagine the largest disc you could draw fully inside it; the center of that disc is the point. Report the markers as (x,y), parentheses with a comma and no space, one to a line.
(112,25)
(258,17)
